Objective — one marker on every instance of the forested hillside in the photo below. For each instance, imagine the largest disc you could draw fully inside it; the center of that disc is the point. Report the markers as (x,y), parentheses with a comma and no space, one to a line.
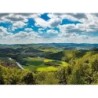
(48,64)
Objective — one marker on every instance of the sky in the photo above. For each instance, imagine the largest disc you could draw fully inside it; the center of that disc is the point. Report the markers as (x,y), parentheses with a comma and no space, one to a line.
(27,28)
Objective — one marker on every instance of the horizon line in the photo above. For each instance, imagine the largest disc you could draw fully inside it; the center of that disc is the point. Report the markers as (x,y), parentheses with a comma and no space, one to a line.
(45,43)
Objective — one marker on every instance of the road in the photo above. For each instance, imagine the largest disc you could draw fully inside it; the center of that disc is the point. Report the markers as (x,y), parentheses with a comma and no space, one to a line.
(18,64)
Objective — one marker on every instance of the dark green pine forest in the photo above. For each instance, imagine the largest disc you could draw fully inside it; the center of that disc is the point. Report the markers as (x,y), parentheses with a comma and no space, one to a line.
(59,64)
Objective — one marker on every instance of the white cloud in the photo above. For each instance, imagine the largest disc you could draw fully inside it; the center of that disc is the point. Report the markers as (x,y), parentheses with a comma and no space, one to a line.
(51,31)
(76,38)
(67,33)
(28,30)
(3,32)
(41,22)
(18,24)
(18,38)
(87,25)
(52,22)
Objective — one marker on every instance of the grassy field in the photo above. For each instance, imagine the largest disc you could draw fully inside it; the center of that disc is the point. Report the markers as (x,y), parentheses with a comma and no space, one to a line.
(43,64)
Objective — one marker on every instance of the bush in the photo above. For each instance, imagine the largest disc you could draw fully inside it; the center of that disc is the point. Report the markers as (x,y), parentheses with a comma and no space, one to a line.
(63,74)
(46,78)
(28,78)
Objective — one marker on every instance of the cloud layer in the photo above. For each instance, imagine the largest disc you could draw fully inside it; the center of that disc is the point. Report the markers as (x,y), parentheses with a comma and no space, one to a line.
(24,28)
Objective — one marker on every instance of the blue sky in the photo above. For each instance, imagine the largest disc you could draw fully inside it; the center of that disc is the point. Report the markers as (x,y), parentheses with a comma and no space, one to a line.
(25,28)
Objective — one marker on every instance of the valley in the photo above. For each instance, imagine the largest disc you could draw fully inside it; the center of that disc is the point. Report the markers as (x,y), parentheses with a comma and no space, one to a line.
(54,63)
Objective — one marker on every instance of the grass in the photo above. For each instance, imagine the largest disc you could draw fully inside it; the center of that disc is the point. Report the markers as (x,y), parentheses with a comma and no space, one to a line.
(53,50)
(47,60)
(50,68)
(39,64)
(64,63)
(34,61)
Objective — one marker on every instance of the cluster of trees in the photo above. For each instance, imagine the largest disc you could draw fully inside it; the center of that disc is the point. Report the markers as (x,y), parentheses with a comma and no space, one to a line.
(15,76)
(81,70)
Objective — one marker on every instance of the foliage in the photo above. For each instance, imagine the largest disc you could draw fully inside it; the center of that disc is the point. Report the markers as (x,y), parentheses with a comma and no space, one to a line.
(15,76)
(46,78)
(28,78)
(44,65)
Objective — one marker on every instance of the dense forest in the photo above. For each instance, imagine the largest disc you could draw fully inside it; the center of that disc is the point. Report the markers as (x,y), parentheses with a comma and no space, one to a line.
(48,64)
